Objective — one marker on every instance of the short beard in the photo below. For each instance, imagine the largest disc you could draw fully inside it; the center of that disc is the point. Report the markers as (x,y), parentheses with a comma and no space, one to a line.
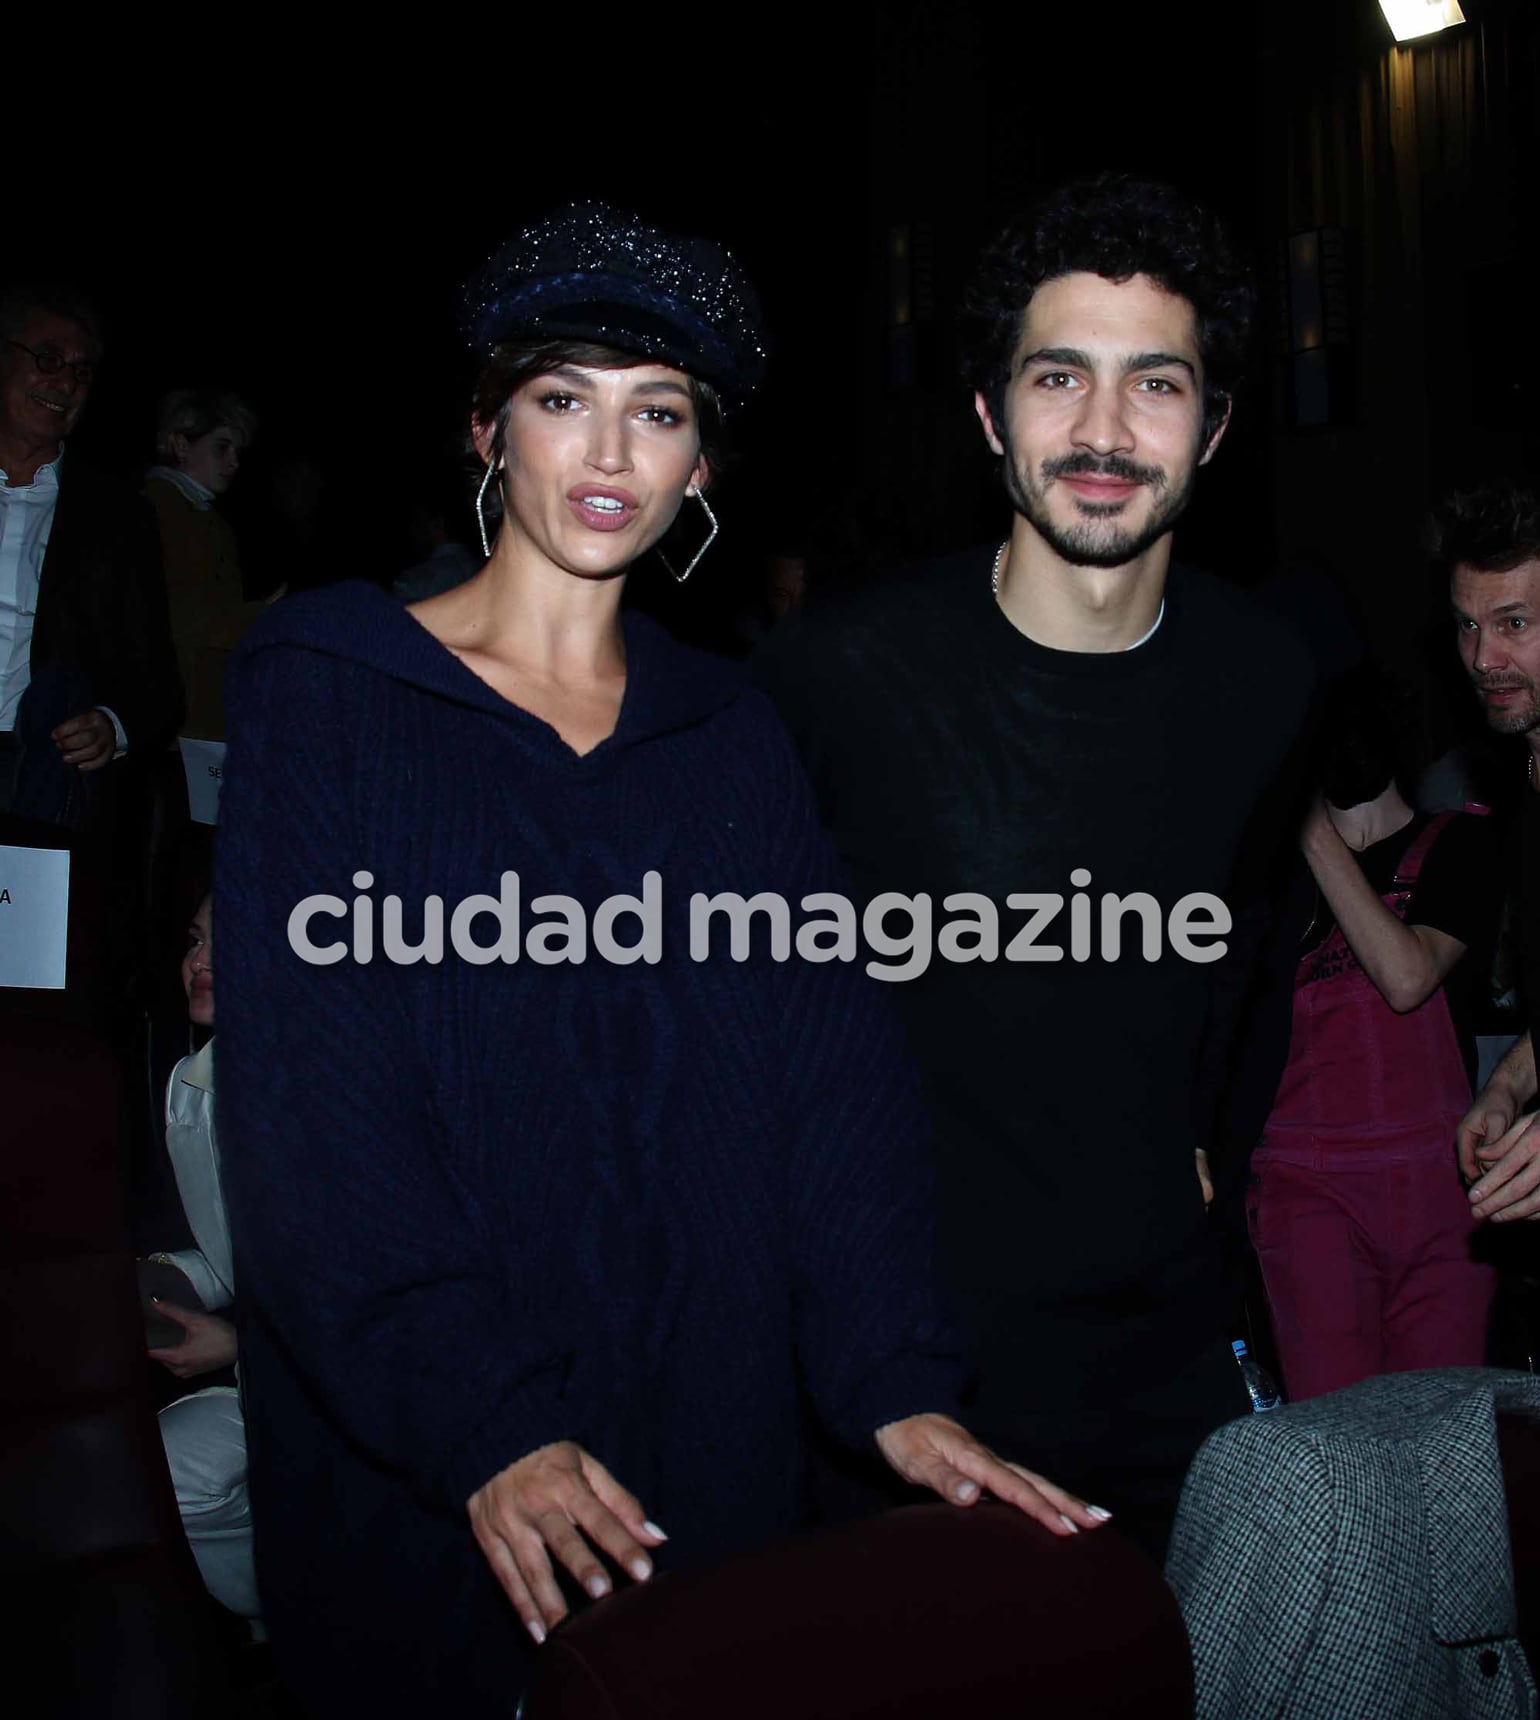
(1083,544)
(1513,722)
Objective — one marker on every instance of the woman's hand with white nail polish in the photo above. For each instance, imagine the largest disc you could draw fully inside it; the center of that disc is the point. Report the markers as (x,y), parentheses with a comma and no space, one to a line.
(935,1451)
(546,1504)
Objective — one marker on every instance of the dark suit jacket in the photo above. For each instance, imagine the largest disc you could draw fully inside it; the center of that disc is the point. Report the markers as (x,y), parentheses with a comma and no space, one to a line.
(101,606)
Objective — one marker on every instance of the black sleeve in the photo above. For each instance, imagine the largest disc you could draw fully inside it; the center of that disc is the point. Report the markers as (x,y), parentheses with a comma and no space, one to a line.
(1264,900)
(1459,890)
(102,606)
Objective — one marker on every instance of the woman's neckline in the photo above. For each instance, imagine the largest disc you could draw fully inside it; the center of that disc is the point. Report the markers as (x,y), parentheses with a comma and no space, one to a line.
(523,711)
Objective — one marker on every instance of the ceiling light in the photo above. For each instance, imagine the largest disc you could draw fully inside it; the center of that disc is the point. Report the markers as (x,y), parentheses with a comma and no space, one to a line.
(1412,18)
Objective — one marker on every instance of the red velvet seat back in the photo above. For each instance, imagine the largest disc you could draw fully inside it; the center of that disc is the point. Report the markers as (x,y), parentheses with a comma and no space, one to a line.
(929,1611)
(103,1606)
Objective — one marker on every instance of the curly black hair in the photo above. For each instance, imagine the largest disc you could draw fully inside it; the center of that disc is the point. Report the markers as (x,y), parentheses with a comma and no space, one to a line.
(1491,528)
(1115,226)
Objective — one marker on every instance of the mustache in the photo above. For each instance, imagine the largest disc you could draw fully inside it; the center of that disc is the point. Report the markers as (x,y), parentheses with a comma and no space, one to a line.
(1485,685)
(1085,465)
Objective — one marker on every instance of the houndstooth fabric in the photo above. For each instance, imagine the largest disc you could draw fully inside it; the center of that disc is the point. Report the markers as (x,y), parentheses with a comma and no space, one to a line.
(1347,1558)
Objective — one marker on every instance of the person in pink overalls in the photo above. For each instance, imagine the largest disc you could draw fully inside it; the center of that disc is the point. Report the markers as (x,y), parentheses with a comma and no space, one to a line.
(1357,1211)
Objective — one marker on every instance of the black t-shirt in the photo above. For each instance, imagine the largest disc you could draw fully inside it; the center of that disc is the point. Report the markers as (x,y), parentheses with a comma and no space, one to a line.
(1458,892)
(952,754)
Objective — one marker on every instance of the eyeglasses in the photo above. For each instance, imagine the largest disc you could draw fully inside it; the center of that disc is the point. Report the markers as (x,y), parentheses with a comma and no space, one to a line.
(51,361)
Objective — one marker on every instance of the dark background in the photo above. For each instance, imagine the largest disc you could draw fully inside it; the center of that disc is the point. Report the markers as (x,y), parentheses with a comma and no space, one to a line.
(289,214)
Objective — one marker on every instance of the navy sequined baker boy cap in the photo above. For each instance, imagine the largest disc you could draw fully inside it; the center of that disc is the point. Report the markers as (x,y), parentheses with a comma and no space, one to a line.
(593,272)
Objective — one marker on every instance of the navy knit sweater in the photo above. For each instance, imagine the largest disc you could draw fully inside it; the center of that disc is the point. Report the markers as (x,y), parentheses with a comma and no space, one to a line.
(481,1207)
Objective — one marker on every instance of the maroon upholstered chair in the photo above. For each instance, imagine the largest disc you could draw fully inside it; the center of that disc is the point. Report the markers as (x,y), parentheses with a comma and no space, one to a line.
(104,1611)
(927,1611)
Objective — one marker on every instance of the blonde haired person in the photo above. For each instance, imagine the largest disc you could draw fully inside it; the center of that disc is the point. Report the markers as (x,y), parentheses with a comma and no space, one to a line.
(201,435)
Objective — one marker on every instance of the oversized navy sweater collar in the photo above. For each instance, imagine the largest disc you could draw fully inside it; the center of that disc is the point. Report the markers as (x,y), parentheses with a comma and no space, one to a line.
(669,686)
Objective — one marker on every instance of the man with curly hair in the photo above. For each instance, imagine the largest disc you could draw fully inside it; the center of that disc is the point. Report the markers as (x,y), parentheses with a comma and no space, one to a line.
(1488,541)
(1066,711)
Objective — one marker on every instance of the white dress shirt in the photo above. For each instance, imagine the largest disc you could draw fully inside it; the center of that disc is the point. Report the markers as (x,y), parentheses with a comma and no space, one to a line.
(26,519)
(194,1150)
(26,522)
(200,495)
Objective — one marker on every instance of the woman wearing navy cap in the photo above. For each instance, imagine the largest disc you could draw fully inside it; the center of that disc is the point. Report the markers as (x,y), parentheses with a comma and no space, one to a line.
(544,1238)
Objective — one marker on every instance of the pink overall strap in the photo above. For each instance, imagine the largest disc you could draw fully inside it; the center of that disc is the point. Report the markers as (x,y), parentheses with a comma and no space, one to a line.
(1410,869)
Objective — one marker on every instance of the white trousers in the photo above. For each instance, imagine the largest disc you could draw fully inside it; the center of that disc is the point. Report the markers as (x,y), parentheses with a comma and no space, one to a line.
(205,1440)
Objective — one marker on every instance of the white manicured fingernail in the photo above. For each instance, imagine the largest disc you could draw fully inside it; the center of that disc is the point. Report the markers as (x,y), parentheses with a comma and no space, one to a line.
(1099,1513)
(1073,1527)
(641,1570)
(598,1587)
(967,1490)
(653,1530)
(537,1630)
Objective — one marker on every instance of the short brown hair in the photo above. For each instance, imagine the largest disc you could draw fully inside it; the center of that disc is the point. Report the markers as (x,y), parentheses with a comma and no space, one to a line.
(1491,528)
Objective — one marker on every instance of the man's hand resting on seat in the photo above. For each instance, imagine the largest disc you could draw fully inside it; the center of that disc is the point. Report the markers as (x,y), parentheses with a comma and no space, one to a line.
(935,1451)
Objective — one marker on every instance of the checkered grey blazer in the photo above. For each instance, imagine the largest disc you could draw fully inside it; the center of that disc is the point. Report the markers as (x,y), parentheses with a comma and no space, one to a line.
(1347,1558)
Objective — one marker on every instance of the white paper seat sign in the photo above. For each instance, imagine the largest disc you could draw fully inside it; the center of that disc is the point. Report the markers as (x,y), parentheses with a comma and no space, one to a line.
(204,762)
(34,916)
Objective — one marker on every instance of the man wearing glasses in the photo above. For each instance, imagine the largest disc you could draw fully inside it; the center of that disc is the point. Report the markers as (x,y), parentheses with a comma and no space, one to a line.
(87,672)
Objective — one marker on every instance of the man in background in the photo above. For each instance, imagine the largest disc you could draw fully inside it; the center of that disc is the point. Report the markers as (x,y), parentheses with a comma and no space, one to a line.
(87,673)
(1489,541)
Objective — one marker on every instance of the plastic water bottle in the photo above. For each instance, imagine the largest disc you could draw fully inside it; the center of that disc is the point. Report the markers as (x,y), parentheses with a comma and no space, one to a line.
(1259,1382)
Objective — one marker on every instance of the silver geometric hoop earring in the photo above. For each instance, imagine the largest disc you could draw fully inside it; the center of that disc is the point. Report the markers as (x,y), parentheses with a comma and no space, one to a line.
(491,472)
(699,495)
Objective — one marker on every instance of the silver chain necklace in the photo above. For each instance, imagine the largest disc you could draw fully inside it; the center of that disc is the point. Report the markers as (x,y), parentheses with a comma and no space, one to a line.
(994,586)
